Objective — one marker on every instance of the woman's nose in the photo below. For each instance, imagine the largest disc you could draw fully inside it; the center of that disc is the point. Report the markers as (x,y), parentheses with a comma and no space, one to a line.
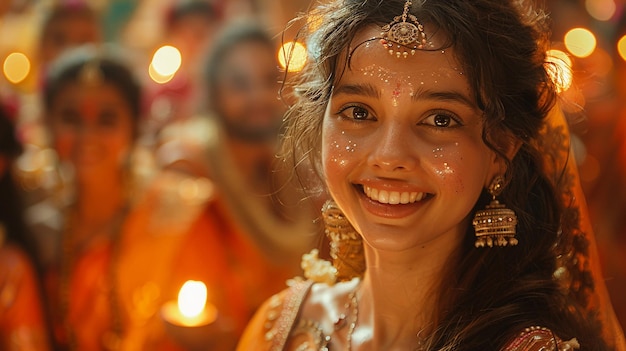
(393,151)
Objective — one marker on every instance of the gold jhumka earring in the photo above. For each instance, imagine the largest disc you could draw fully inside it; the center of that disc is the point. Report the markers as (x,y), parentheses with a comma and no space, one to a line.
(404,34)
(495,225)
(346,245)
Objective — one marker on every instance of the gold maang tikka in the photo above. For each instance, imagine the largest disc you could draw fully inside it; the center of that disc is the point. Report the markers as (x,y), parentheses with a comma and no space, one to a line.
(495,225)
(404,34)
(91,73)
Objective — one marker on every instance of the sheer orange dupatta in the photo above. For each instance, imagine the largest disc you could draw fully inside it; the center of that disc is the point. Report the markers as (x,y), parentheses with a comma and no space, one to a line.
(579,269)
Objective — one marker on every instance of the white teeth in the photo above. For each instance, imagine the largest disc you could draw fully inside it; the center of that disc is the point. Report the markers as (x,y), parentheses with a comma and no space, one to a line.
(419,196)
(393,197)
(383,196)
(373,194)
(404,198)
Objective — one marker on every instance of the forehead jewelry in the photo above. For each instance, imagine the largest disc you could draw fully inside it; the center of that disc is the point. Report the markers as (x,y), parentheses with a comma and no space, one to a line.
(91,74)
(404,34)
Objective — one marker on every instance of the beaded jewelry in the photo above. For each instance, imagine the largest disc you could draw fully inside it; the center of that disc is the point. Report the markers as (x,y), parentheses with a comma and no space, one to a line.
(404,34)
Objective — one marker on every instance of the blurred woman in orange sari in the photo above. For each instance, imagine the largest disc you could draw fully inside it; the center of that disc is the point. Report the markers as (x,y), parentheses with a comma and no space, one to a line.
(92,107)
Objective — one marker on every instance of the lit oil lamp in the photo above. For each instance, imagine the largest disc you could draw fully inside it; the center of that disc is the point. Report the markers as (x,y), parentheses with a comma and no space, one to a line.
(189,319)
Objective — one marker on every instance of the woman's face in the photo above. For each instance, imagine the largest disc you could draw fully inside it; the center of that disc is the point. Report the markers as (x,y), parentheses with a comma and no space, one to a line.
(92,128)
(245,91)
(73,29)
(402,147)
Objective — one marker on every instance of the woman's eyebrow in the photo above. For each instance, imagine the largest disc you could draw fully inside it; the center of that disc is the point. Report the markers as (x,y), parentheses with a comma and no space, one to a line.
(450,96)
(366,90)
(369,90)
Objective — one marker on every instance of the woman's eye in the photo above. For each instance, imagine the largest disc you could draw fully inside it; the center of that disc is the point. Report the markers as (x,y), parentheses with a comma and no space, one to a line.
(356,113)
(359,113)
(441,120)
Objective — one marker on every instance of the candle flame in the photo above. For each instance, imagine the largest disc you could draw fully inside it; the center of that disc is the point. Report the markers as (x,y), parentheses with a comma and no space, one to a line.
(192,298)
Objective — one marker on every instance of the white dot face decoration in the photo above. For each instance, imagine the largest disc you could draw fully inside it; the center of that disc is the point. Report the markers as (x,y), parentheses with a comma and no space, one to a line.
(398,84)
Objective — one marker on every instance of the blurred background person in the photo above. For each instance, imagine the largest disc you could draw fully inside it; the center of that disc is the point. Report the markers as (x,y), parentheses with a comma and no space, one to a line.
(189,26)
(64,25)
(23,324)
(253,196)
(92,108)
(234,221)
(68,24)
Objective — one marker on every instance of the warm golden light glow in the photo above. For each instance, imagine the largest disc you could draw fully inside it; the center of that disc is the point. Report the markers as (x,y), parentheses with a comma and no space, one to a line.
(166,60)
(292,56)
(16,67)
(580,42)
(192,298)
(602,10)
(158,78)
(559,66)
(621,47)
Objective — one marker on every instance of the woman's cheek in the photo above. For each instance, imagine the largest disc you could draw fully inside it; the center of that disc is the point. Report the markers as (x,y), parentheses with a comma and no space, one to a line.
(339,150)
(448,167)
(63,144)
(121,145)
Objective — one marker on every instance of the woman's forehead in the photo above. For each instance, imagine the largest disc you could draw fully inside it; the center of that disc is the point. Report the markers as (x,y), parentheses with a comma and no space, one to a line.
(372,39)
(368,58)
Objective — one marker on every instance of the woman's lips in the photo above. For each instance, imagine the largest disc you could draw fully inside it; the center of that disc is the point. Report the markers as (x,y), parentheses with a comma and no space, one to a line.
(393,197)
(391,203)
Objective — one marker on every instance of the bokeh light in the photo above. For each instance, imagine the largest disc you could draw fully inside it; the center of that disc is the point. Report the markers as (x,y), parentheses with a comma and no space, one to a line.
(292,56)
(157,77)
(166,61)
(580,42)
(16,67)
(621,47)
(559,66)
(602,10)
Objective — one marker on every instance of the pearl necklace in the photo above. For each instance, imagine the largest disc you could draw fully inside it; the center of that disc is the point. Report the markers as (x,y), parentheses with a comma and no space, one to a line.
(353,304)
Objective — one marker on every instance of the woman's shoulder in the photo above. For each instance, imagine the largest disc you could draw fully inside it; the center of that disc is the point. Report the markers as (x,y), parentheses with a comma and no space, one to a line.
(303,305)
(540,338)
(270,327)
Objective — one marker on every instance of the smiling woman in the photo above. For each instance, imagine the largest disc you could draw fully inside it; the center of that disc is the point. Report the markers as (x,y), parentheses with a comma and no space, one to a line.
(431,109)
(419,117)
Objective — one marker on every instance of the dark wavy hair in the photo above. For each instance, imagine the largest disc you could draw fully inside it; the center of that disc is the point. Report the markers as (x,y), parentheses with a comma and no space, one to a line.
(486,296)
